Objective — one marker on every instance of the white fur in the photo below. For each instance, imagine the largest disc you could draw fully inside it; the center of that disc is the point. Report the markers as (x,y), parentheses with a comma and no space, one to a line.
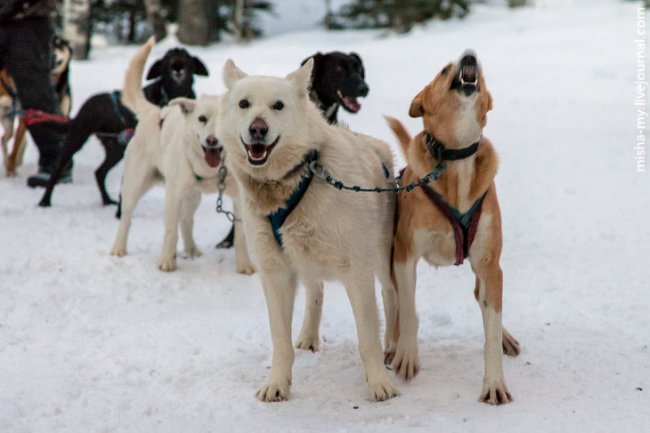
(173,153)
(330,235)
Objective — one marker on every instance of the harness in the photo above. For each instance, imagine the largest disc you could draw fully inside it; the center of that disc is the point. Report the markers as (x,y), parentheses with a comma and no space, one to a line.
(463,224)
(280,215)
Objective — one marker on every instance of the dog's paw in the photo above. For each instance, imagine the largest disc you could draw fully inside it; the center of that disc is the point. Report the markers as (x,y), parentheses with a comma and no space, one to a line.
(382,391)
(270,392)
(167,264)
(389,353)
(406,362)
(510,345)
(307,342)
(192,253)
(118,251)
(246,268)
(495,392)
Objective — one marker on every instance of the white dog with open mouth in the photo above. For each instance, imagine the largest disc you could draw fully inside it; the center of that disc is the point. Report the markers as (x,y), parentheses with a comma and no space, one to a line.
(303,229)
(179,145)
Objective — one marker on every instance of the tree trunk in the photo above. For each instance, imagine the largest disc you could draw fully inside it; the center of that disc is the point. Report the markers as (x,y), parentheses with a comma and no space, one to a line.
(155,18)
(76,26)
(517,3)
(194,21)
(239,20)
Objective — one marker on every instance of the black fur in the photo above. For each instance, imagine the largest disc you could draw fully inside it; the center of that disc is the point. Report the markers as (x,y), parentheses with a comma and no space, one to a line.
(336,72)
(104,115)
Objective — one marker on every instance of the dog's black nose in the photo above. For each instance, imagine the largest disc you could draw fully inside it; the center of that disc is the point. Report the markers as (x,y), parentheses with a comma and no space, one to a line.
(258,129)
(211,141)
(363,89)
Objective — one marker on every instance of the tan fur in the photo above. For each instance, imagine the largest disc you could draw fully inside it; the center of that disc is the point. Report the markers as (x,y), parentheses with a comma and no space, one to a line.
(331,234)
(12,158)
(424,232)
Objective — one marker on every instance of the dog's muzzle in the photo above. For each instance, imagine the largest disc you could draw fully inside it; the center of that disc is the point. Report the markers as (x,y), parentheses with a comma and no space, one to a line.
(468,71)
(212,151)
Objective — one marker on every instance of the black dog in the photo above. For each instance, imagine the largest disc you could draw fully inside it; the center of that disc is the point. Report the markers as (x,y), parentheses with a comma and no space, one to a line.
(105,116)
(337,80)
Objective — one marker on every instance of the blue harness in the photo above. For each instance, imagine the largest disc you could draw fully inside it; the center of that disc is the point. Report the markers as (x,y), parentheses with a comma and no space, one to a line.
(280,215)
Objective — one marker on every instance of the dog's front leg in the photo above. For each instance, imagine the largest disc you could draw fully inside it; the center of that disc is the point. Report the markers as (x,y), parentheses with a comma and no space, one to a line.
(494,390)
(308,338)
(173,200)
(279,289)
(190,204)
(361,292)
(406,361)
(242,260)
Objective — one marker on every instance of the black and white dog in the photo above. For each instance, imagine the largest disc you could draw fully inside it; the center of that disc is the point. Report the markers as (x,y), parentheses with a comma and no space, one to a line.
(105,116)
(337,80)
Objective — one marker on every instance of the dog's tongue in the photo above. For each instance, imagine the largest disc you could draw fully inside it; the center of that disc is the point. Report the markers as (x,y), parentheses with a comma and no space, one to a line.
(212,157)
(351,103)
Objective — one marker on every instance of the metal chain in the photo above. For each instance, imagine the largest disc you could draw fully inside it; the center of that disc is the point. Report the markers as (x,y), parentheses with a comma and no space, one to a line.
(317,169)
(221,185)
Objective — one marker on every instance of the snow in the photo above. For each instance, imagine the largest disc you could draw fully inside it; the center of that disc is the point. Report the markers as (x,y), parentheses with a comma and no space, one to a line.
(93,343)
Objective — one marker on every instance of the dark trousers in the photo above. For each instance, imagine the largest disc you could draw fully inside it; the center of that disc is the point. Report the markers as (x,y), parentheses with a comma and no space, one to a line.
(25,52)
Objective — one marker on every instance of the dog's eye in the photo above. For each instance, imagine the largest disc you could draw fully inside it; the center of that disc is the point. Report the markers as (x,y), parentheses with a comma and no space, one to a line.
(244,103)
(279,105)
(203,119)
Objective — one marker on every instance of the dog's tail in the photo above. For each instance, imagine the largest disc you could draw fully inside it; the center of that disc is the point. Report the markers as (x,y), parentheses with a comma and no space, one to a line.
(400,132)
(133,97)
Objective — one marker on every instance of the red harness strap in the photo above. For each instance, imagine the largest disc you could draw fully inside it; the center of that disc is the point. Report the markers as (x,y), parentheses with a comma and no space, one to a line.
(33,117)
(464,225)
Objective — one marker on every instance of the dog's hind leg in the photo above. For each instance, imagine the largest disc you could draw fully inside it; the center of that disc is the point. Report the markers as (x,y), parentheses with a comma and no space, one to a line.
(243,262)
(189,206)
(138,178)
(510,345)
(114,154)
(73,142)
(308,339)
(361,292)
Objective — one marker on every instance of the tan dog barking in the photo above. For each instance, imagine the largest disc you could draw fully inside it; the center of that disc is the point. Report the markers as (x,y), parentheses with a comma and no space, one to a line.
(455,218)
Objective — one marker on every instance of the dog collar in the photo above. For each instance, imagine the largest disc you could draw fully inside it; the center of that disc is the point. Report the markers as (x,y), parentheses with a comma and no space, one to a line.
(439,152)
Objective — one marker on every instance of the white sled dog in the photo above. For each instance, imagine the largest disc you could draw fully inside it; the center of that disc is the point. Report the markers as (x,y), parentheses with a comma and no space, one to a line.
(302,229)
(178,145)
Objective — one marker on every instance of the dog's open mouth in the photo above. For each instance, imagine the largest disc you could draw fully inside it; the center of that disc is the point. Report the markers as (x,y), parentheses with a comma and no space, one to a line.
(212,155)
(466,82)
(350,103)
(258,153)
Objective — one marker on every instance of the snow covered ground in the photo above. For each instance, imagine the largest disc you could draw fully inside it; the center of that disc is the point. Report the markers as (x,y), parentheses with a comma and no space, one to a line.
(93,343)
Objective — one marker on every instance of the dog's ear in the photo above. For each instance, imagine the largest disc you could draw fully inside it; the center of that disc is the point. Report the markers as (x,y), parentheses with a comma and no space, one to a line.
(417,107)
(489,99)
(155,70)
(301,78)
(358,57)
(232,74)
(199,67)
(186,105)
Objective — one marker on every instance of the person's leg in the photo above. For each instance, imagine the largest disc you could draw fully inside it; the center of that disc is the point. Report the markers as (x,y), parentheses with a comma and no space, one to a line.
(27,58)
